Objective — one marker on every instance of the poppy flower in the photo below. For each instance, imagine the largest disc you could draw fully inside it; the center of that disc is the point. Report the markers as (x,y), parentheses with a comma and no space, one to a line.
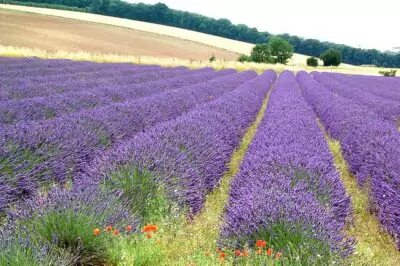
(96,231)
(261,243)
(238,253)
(150,228)
(245,253)
(222,255)
(109,228)
(269,251)
(128,228)
(278,255)
(116,232)
(258,252)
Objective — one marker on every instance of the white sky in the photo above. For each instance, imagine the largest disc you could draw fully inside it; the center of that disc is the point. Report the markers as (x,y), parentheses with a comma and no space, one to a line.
(365,24)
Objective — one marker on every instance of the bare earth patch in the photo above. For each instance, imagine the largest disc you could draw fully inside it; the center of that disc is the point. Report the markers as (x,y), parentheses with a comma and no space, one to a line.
(54,34)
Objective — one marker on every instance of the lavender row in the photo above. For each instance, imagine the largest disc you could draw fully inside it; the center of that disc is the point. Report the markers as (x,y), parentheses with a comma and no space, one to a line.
(28,90)
(61,67)
(388,109)
(190,154)
(370,146)
(288,183)
(387,87)
(36,153)
(39,108)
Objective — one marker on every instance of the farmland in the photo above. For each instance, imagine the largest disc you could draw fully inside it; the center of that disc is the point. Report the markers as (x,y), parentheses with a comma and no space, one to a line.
(124,164)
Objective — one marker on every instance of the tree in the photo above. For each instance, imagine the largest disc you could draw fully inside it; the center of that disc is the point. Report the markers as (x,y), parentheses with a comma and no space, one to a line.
(244,58)
(331,57)
(281,50)
(261,54)
(312,61)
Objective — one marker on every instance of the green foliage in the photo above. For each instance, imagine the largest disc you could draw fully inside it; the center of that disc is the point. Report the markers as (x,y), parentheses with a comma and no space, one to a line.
(148,197)
(212,58)
(261,53)
(389,73)
(281,50)
(297,242)
(312,61)
(244,58)
(331,57)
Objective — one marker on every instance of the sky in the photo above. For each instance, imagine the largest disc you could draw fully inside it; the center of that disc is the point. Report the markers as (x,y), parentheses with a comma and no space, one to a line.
(364,24)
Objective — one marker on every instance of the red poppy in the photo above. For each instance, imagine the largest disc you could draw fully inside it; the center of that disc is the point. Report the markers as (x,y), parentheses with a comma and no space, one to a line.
(222,255)
(150,228)
(116,232)
(238,253)
(96,231)
(128,228)
(269,251)
(261,243)
(109,228)
(245,253)
(258,252)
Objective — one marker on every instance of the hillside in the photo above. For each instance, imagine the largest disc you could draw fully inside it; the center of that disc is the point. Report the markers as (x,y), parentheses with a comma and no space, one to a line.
(162,14)
(69,31)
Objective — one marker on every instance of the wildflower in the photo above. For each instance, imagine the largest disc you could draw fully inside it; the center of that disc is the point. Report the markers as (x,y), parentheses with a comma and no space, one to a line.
(245,253)
(258,252)
(150,228)
(278,255)
(116,232)
(128,228)
(238,253)
(109,228)
(222,255)
(148,235)
(261,243)
(96,231)
(269,251)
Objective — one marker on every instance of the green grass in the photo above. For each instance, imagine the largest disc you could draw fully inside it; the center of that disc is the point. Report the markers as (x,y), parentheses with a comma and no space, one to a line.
(374,246)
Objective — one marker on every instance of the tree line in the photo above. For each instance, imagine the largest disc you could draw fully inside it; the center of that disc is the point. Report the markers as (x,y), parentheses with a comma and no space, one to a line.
(162,14)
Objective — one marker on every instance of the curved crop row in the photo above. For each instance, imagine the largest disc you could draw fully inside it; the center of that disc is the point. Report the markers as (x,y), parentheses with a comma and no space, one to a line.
(287,190)
(39,108)
(56,149)
(190,154)
(25,90)
(370,146)
(388,109)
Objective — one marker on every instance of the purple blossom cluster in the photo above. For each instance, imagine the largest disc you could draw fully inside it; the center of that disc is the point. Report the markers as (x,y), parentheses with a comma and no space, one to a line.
(42,151)
(190,154)
(46,107)
(388,108)
(288,182)
(370,146)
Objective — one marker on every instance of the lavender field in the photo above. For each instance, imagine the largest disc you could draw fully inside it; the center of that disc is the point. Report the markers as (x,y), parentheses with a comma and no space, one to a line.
(111,163)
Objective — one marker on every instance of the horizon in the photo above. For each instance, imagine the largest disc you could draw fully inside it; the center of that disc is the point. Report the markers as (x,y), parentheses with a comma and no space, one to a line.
(330,27)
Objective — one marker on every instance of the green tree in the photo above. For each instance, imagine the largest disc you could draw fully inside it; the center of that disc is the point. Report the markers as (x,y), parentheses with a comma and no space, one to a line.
(331,57)
(312,61)
(281,50)
(261,53)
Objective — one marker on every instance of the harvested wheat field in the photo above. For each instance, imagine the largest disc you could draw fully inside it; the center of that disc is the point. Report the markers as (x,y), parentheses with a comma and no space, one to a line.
(54,34)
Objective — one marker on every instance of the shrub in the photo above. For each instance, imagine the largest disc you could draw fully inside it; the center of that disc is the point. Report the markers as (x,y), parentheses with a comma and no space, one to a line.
(331,57)
(281,50)
(312,61)
(244,58)
(261,53)
(212,58)
(389,73)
